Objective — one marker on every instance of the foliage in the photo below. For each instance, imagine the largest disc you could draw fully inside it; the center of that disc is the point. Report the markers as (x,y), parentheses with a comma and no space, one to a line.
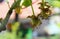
(54,3)
(27,3)
(5,21)
(35,20)
(45,10)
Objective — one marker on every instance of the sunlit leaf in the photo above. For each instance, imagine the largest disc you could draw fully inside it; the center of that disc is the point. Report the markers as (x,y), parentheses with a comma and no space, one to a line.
(27,3)
(58,24)
(54,3)
(15,26)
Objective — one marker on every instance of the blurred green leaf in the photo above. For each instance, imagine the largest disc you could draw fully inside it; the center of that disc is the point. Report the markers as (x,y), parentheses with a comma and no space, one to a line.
(54,3)
(15,26)
(29,34)
(27,3)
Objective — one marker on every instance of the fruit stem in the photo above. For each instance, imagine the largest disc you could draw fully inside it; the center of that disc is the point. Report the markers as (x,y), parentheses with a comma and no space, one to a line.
(32,7)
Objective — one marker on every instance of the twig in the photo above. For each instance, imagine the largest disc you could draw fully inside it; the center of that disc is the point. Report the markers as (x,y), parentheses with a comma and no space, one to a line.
(32,7)
(5,21)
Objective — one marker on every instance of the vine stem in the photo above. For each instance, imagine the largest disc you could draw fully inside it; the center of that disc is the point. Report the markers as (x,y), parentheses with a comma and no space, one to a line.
(16,13)
(32,7)
(43,2)
(8,4)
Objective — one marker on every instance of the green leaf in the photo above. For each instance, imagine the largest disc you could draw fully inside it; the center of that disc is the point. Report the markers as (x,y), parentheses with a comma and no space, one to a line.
(27,3)
(54,3)
(15,26)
